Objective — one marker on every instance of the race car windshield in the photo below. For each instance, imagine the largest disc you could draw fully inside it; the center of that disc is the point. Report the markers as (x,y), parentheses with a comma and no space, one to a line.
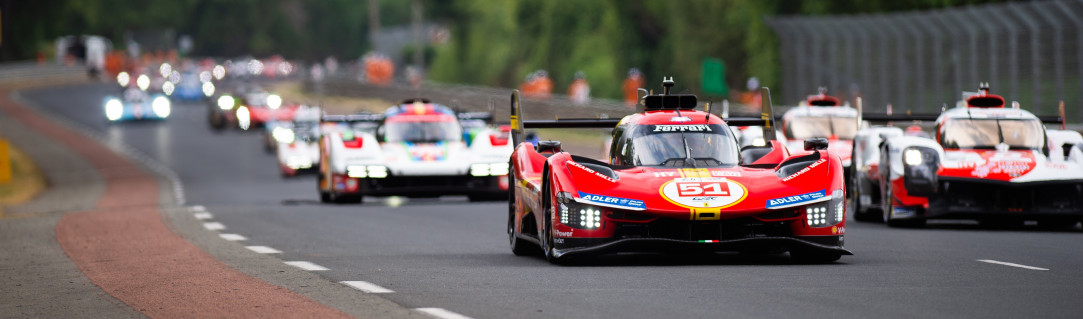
(968,133)
(661,145)
(805,127)
(422,132)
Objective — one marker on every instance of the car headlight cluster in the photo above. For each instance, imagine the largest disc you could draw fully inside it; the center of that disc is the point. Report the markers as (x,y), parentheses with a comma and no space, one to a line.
(362,171)
(225,102)
(283,135)
(160,105)
(297,162)
(492,169)
(578,215)
(114,109)
(912,157)
(826,213)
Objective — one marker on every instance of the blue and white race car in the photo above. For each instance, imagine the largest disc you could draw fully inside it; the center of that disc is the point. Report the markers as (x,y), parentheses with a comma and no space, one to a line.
(136,104)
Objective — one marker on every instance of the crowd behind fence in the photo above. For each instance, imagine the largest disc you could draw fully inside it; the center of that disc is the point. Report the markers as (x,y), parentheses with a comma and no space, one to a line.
(1030,52)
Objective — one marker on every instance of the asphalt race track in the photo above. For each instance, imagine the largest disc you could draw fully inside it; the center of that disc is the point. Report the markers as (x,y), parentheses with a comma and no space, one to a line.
(452,254)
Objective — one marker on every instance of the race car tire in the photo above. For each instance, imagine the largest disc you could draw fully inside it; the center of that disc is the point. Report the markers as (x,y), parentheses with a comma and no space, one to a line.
(808,256)
(900,223)
(325,197)
(217,121)
(518,247)
(547,233)
(861,213)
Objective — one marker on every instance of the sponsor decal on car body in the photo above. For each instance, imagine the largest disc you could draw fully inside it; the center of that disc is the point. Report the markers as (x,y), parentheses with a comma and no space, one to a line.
(796,200)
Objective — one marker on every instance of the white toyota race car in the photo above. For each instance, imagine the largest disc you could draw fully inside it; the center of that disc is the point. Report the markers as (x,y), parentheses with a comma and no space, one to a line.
(419,149)
(989,163)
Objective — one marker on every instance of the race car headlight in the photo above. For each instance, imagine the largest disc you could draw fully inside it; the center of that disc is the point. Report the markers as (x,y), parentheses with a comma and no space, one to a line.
(143,82)
(362,171)
(912,157)
(274,101)
(283,135)
(356,171)
(160,105)
(168,88)
(826,213)
(377,171)
(225,102)
(113,109)
(920,172)
(493,169)
(123,79)
(208,89)
(243,118)
(578,215)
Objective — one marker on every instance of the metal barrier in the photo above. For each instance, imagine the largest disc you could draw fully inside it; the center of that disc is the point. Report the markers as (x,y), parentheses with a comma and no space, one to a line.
(1031,52)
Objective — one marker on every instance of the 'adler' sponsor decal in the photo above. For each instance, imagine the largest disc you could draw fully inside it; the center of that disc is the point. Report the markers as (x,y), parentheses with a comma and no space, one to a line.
(795,200)
(615,202)
(703,192)
(805,170)
(682,128)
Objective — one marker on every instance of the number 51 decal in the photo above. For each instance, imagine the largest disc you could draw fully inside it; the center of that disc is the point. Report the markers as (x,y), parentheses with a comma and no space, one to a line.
(685,189)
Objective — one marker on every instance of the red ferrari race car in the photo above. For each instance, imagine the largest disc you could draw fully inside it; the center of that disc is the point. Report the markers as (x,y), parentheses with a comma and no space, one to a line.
(675,180)
(997,165)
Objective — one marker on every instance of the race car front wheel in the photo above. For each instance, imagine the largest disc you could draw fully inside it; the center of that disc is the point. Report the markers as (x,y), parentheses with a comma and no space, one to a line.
(518,247)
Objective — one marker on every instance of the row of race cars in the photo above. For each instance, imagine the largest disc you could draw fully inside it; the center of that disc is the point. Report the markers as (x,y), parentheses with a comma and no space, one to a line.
(675,178)
(679,179)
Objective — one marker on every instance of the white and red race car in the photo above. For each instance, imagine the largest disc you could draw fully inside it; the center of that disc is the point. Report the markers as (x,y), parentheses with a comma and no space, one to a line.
(418,149)
(997,165)
(298,141)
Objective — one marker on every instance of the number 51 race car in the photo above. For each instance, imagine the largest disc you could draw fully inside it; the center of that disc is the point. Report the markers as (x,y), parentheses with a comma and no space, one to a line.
(675,180)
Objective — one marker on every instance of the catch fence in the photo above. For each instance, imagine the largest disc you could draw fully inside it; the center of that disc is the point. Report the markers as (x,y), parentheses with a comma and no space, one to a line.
(1030,52)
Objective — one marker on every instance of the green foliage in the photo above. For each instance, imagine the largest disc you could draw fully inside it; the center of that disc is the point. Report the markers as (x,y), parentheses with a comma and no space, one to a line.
(492,42)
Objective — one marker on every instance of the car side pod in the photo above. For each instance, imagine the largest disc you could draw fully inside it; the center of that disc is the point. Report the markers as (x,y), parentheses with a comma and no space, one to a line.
(815,143)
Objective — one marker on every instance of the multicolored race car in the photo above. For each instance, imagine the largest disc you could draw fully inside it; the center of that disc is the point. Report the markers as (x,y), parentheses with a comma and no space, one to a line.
(997,165)
(675,180)
(136,104)
(418,149)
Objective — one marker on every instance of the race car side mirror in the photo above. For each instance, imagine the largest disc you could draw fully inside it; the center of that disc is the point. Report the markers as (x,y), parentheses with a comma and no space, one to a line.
(548,147)
(816,143)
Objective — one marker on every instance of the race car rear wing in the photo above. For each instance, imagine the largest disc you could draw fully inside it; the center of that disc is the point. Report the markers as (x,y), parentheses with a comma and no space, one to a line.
(767,120)
(484,116)
(362,117)
(929,117)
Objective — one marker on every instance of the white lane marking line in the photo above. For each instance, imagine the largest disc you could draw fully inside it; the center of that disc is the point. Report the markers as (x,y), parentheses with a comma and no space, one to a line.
(307,265)
(198,208)
(202,216)
(263,249)
(1010,264)
(366,287)
(232,237)
(441,313)
(214,226)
